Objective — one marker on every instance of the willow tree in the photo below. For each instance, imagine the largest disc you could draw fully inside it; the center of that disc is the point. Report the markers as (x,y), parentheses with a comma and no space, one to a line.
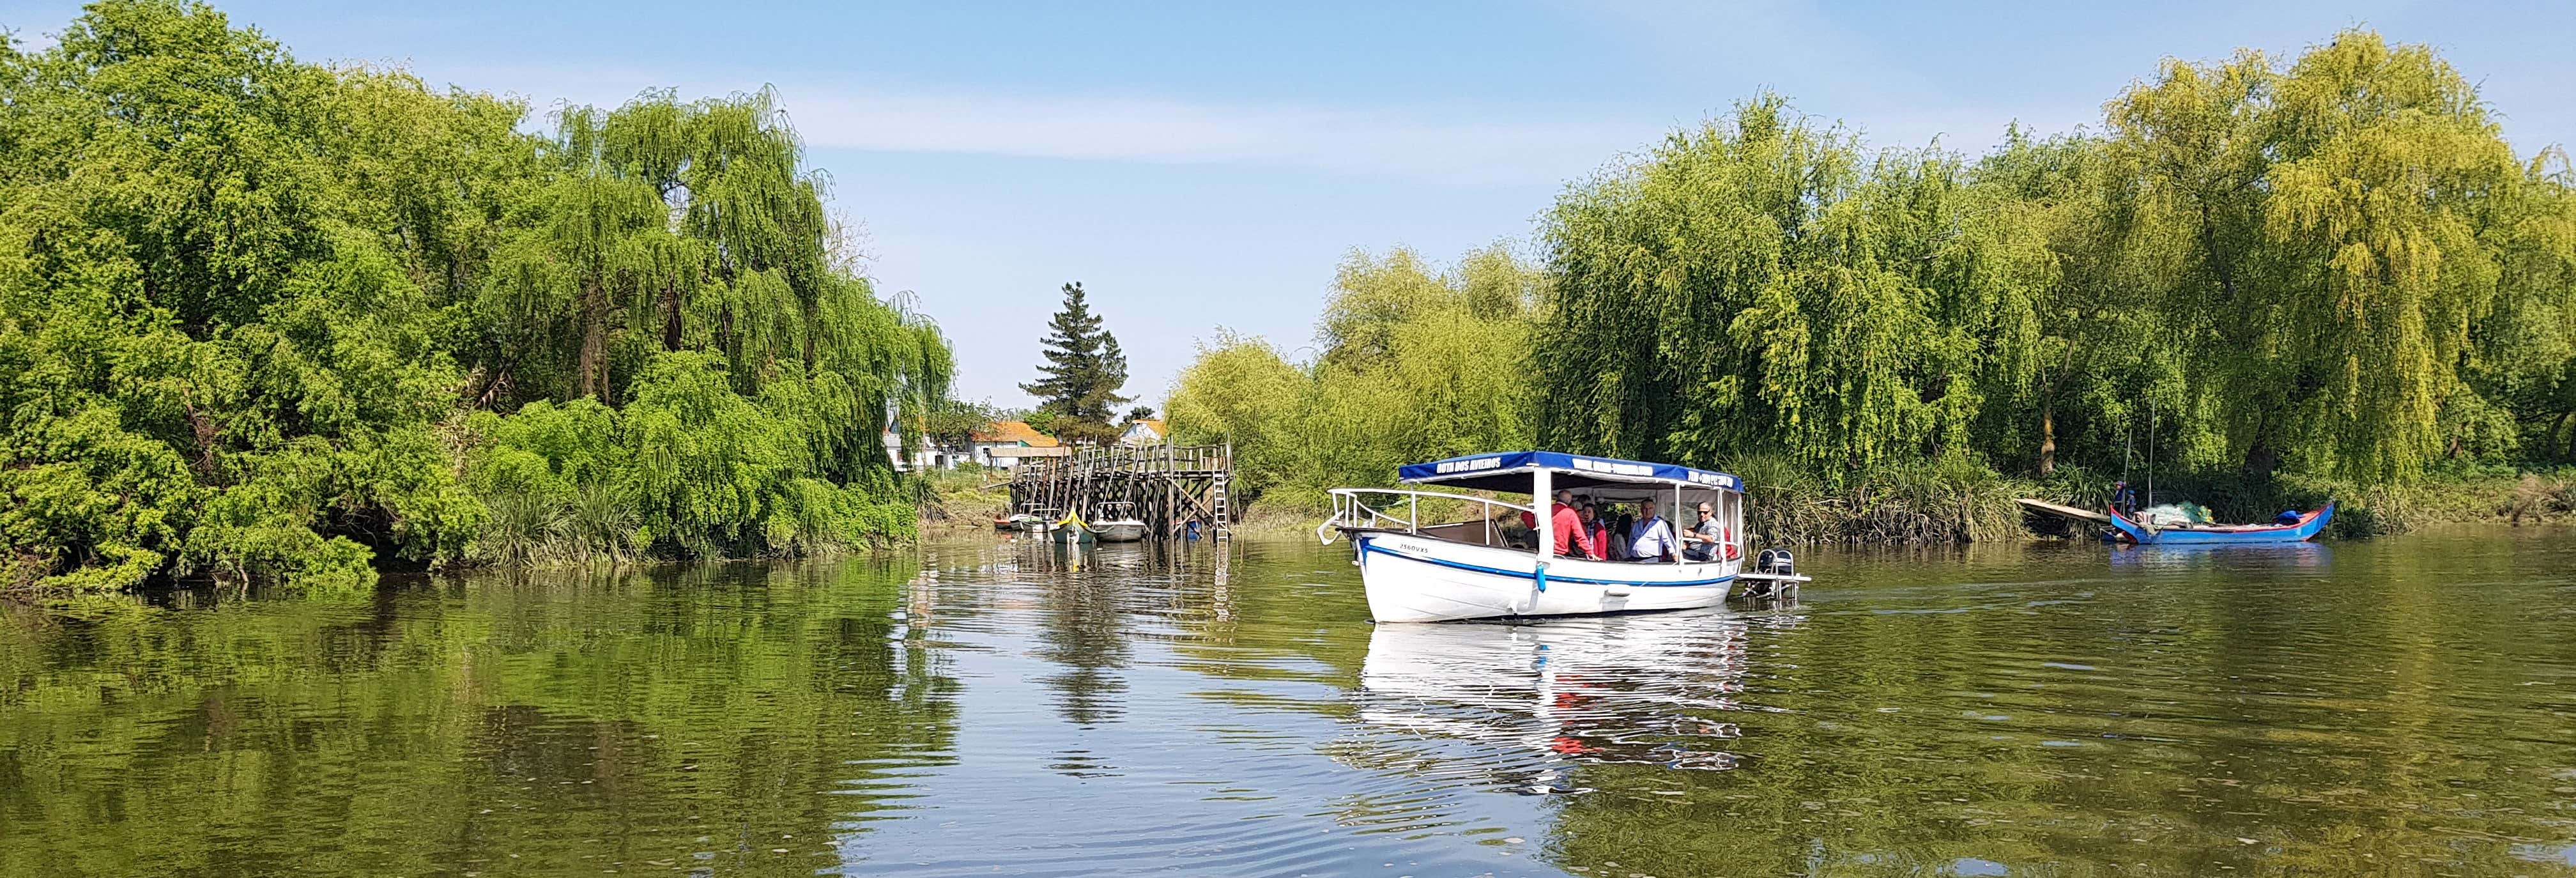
(600,226)
(243,300)
(1759,285)
(2088,354)
(2523,355)
(2329,230)
(731,172)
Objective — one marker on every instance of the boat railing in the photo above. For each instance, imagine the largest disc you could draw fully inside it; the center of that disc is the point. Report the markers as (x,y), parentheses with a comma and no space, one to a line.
(1378,509)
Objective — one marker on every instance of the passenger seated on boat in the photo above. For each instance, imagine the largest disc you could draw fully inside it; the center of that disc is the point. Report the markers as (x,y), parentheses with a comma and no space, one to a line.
(1596,535)
(1618,536)
(1651,537)
(1706,540)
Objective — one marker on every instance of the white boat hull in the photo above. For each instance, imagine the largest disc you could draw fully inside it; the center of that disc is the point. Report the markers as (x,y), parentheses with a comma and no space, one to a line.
(1119,531)
(1414,579)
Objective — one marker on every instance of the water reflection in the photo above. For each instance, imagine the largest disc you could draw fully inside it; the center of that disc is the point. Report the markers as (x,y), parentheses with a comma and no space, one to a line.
(2393,707)
(2206,556)
(1528,700)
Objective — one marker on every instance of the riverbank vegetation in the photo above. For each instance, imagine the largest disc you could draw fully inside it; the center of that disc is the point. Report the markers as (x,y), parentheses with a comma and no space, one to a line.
(266,320)
(1419,363)
(2289,280)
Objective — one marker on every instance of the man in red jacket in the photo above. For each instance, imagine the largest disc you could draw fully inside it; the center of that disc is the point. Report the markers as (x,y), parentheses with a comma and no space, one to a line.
(1571,541)
(1570,538)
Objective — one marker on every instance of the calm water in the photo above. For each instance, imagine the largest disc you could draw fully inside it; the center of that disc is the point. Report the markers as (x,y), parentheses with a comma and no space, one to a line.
(2400,707)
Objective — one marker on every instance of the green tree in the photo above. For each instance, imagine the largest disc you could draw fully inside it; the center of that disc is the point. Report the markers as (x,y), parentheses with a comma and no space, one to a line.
(266,320)
(1083,372)
(2330,228)
(223,357)
(1759,285)
(1419,363)
(1243,390)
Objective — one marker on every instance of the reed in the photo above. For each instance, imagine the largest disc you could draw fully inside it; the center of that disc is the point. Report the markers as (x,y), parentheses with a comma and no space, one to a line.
(1941,501)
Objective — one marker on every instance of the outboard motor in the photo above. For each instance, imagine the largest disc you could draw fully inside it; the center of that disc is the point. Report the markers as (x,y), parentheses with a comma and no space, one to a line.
(1776,561)
(1771,563)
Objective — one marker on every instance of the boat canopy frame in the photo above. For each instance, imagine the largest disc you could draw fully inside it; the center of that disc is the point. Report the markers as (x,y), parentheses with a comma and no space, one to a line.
(1539,475)
(1520,472)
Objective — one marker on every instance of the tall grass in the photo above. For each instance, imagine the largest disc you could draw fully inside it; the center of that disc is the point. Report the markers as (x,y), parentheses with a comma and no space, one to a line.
(1946,501)
(594,525)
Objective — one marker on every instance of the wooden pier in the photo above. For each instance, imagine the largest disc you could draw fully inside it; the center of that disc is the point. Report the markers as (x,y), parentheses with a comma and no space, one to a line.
(1172,486)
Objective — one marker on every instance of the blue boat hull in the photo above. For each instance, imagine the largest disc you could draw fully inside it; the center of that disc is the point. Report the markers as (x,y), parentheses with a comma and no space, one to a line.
(2306,529)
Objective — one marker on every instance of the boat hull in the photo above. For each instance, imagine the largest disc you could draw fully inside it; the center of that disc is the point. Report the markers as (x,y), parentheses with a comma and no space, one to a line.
(1414,579)
(2306,529)
(1119,531)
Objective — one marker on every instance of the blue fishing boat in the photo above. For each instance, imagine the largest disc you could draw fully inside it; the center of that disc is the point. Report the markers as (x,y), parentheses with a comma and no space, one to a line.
(2305,528)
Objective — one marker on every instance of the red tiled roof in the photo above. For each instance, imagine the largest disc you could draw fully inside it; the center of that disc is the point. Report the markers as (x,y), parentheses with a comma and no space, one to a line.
(1013,431)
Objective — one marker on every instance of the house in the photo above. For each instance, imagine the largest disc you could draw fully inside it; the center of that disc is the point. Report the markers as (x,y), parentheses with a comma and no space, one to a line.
(1003,443)
(927,454)
(1143,431)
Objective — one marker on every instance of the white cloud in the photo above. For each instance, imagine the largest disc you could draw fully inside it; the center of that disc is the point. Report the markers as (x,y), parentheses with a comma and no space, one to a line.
(1801,49)
(1444,145)
(1437,146)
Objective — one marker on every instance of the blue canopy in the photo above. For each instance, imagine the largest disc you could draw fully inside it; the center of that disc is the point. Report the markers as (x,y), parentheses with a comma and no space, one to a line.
(1509,471)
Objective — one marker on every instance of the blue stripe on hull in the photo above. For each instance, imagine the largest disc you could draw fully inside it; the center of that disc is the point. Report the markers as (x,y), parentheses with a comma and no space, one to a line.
(1369,545)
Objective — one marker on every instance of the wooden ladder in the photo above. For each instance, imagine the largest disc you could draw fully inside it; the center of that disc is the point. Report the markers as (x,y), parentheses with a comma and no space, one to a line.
(1224,516)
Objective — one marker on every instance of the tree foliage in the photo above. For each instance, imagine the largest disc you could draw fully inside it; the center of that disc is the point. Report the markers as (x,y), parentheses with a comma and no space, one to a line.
(1083,372)
(1418,363)
(2330,233)
(2336,263)
(1759,284)
(246,304)
(2333,267)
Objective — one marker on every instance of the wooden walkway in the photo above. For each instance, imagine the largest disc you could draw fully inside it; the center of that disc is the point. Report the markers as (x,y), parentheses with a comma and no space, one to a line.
(2067,512)
(1172,486)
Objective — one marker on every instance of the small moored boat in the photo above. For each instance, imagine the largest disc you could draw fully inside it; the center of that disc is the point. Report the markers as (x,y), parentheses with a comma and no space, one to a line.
(1473,568)
(2305,528)
(1071,530)
(1117,523)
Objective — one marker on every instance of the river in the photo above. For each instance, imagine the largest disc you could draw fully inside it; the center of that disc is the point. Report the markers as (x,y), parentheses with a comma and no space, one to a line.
(2400,706)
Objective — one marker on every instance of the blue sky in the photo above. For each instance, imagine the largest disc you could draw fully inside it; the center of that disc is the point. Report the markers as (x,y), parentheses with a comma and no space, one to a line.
(1206,165)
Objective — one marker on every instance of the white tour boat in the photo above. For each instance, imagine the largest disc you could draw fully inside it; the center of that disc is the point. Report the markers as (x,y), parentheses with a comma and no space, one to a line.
(1476,569)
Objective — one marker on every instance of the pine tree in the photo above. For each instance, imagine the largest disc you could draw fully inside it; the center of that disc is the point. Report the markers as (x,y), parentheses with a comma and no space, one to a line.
(1084,369)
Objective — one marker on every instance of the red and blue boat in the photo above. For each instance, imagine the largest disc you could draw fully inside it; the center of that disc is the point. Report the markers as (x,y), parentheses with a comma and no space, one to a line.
(2304,529)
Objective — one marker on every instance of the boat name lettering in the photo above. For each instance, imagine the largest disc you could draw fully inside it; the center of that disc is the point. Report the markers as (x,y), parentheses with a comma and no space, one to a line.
(1471,465)
(1623,469)
(1707,478)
